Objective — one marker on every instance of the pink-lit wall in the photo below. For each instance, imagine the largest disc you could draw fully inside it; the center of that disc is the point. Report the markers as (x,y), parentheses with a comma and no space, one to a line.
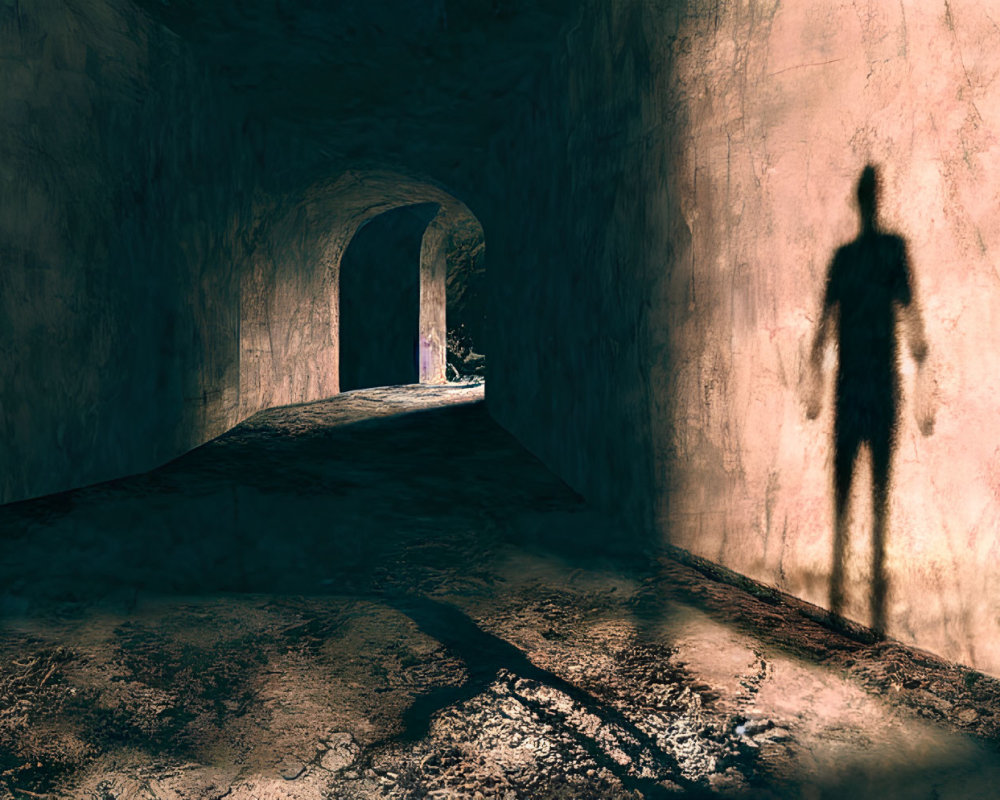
(700,162)
(785,104)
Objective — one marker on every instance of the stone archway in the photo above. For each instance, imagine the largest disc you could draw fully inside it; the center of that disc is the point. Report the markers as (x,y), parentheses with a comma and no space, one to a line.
(376,194)
(290,296)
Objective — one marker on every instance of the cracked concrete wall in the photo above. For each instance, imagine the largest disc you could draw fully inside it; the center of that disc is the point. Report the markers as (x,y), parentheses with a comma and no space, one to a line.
(689,171)
(124,206)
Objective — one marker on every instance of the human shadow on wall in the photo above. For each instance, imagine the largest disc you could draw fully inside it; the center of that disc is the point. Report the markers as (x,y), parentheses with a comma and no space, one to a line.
(869,293)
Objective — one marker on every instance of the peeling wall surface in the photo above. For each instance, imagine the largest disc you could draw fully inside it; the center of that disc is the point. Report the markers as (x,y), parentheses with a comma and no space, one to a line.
(704,164)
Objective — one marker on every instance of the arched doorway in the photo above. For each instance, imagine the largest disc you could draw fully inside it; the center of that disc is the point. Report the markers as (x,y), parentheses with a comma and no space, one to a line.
(411,297)
(384,303)
(290,298)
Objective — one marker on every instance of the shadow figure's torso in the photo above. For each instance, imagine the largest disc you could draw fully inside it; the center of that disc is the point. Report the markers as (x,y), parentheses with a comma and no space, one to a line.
(867,279)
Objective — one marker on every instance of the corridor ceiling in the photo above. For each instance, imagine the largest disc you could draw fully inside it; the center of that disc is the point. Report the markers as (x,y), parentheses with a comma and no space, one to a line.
(417,85)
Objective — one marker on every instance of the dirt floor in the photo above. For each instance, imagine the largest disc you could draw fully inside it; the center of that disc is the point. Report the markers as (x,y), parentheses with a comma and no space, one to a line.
(383,595)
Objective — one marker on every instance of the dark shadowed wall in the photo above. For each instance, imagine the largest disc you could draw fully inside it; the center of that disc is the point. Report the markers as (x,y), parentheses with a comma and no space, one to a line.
(124,206)
(581,244)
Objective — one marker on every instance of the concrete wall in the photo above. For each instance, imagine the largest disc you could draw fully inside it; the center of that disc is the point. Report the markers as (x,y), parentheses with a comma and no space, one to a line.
(578,241)
(688,171)
(124,205)
(774,153)
(288,307)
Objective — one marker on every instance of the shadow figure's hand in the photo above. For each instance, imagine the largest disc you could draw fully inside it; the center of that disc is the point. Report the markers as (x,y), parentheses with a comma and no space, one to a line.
(814,405)
(811,388)
(924,398)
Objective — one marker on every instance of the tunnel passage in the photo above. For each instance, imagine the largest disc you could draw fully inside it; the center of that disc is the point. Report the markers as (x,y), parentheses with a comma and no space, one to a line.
(314,301)
(380,300)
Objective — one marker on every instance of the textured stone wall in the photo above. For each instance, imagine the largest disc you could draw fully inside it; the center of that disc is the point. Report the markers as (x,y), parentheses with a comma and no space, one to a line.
(124,206)
(688,172)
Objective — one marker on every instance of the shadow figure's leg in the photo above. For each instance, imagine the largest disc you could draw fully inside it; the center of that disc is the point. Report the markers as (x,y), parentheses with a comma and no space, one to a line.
(881,474)
(845,452)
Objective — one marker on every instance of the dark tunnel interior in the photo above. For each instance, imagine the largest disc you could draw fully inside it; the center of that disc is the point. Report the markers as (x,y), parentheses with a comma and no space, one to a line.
(721,523)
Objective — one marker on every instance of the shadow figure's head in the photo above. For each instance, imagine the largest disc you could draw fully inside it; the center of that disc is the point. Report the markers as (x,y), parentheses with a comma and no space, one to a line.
(868,189)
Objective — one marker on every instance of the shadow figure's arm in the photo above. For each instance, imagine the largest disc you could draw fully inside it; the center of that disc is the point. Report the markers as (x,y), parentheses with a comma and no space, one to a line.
(824,331)
(912,322)
(924,385)
(908,308)
(913,326)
